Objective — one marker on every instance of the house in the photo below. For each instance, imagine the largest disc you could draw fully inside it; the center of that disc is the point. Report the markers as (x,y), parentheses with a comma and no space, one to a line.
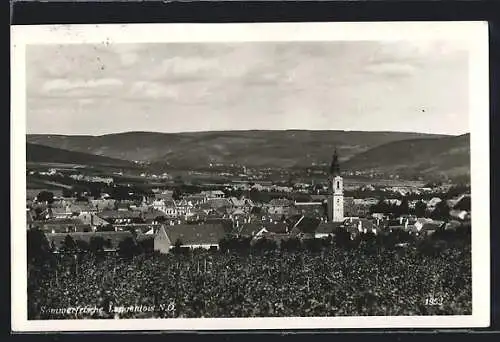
(81,208)
(313,209)
(103,204)
(183,208)
(267,229)
(393,225)
(218,203)
(167,206)
(92,220)
(226,223)
(462,208)
(140,228)
(279,206)
(453,225)
(360,226)
(462,202)
(196,199)
(57,213)
(274,227)
(213,194)
(243,204)
(121,217)
(205,236)
(68,225)
(433,202)
(154,216)
(427,228)
(249,229)
(420,222)
(112,240)
(165,195)
(460,214)
(30,218)
(326,229)
(123,206)
(393,201)
(304,226)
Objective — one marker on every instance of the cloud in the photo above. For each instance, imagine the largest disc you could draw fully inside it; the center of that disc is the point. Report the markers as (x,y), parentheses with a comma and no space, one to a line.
(192,86)
(85,101)
(129,58)
(391,69)
(191,65)
(155,90)
(62,85)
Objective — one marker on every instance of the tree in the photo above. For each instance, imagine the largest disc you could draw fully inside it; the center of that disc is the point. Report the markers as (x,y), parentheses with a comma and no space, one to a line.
(67,192)
(82,245)
(69,244)
(177,247)
(381,207)
(420,209)
(45,196)
(96,244)
(147,245)
(78,190)
(127,247)
(404,207)
(264,245)
(38,246)
(177,195)
(441,212)
(464,204)
(313,245)
(291,245)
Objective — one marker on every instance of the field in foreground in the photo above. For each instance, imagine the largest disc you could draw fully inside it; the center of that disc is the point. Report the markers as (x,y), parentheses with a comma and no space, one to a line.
(335,282)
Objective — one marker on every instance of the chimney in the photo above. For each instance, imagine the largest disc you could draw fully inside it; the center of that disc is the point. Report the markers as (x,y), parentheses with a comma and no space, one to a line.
(360,226)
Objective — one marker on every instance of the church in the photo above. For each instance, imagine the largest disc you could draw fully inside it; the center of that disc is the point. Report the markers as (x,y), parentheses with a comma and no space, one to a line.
(335,204)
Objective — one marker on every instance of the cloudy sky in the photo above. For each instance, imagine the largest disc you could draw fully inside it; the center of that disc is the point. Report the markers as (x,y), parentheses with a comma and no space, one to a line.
(369,86)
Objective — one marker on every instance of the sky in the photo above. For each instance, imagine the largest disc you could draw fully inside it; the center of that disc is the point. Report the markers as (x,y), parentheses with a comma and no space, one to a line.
(178,87)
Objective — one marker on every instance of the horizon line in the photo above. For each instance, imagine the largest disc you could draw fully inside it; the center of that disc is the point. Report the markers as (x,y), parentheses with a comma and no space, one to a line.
(250,130)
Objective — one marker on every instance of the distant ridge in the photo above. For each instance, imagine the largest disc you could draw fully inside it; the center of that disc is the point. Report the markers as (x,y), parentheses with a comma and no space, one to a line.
(245,130)
(447,155)
(405,152)
(45,154)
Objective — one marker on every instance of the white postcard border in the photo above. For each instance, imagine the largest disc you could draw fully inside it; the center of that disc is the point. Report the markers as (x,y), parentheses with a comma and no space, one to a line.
(474,35)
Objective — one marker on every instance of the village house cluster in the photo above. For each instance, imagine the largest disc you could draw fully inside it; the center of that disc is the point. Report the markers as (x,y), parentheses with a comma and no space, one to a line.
(202,220)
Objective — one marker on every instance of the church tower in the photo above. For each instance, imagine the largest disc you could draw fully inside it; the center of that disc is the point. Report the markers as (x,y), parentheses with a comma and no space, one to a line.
(336,192)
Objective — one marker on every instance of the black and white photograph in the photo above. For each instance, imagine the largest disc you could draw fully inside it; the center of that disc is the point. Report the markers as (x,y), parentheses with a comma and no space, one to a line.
(250,176)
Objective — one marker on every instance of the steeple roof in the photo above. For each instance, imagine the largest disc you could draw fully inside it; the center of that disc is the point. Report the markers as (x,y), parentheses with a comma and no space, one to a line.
(335,166)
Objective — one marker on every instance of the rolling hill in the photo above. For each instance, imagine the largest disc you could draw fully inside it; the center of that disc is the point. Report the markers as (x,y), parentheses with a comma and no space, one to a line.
(45,154)
(253,148)
(388,152)
(448,156)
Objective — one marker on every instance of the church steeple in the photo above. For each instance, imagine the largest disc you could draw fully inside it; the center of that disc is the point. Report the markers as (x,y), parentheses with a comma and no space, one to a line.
(336,196)
(335,166)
